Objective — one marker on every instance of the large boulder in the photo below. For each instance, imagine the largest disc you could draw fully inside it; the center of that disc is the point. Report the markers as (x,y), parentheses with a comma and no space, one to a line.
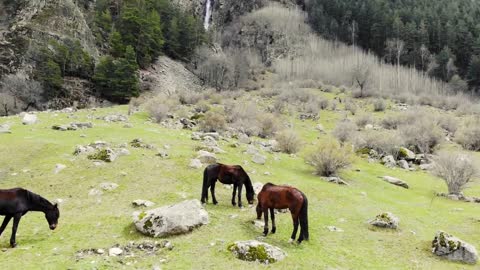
(172,219)
(29,119)
(395,181)
(389,161)
(256,251)
(406,154)
(453,249)
(195,164)
(386,220)
(5,129)
(206,157)
(105,154)
(403,164)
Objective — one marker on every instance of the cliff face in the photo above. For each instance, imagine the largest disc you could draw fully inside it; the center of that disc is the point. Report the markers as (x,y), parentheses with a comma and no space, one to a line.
(27,25)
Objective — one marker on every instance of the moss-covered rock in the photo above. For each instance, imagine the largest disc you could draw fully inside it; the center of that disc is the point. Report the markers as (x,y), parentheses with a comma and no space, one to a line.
(105,154)
(255,251)
(386,220)
(454,249)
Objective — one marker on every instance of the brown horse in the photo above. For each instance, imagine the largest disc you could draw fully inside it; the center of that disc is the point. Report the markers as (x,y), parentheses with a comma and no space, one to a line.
(227,174)
(281,197)
(16,202)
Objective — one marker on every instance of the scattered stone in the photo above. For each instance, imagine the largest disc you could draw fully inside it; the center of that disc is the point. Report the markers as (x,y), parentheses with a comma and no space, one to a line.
(320,128)
(106,154)
(206,157)
(95,192)
(258,223)
(124,152)
(233,216)
(62,127)
(108,186)
(453,249)
(251,150)
(334,229)
(395,181)
(5,129)
(80,150)
(172,219)
(115,118)
(389,161)
(82,125)
(403,164)
(29,119)
(243,138)
(259,159)
(406,154)
(195,164)
(128,125)
(386,220)
(59,168)
(257,187)
(426,167)
(256,251)
(100,251)
(138,143)
(368,127)
(336,180)
(162,154)
(115,251)
(267,173)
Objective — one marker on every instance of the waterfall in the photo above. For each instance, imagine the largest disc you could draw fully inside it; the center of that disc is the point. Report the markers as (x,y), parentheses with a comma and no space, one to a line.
(208,14)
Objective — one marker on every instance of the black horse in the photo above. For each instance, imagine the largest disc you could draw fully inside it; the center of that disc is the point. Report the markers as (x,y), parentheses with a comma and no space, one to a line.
(16,202)
(227,174)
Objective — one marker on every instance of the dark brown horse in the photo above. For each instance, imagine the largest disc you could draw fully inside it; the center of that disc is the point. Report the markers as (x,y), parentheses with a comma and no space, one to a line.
(14,203)
(227,174)
(281,197)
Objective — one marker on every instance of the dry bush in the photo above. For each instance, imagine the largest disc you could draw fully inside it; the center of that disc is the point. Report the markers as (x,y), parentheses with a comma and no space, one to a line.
(213,121)
(312,107)
(288,141)
(329,158)
(160,106)
(323,103)
(364,119)
(243,117)
(202,106)
(189,97)
(448,123)
(383,142)
(423,135)
(268,124)
(468,136)
(18,93)
(345,131)
(297,96)
(351,107)
(269,92)
(379,105)
(456,169)
(392,121)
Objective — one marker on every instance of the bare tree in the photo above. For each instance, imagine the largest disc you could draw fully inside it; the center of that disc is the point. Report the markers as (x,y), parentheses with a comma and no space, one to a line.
(424,56)
(361,75)
(456,169)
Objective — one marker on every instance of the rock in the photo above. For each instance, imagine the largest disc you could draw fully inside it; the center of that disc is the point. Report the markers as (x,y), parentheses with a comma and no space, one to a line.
(403,164)
(59,168)
(368,127)
(243,138)
(257,187)
(251,150)
(259,159)
(395,181)
(196,137)
(206,157)
(108,186)
(145,203)
(60,127)
(29,119)
(172,219)
(336,180)
(82,125)
(195,164)
(320,128)
(258,223)
(124,152)
(334,229)
(426,167)
(100,251)
(115,251)
(106,154)
(80,149)
(386,220)
(138,143)
(5,128)
(115,118)
(256,251)
(128,125)
(162,154)
(389,161)
(95,192)
(453,249)
(405,153)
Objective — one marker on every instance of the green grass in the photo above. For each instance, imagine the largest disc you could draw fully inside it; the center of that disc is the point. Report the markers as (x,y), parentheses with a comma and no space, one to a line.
(101,222)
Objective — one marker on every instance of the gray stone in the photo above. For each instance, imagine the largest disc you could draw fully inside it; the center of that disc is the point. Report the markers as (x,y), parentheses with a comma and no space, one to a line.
(336,180)
(426,167)
(115,251)
(195,163)
(403,164)
(259,159)
(145,203)
(107,186)
(59,168)
(206,157)
(5,128)
(386,220)
(258,223)
(29,119)
(389,161)
(453,249)
(407,154)
(256,251)
(162,154)
(395,181)
(115,118)
(124,152)
(243,138)
(334,229)
(172,219)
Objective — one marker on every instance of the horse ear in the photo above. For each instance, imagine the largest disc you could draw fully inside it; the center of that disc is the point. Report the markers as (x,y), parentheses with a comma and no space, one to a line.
(55,205)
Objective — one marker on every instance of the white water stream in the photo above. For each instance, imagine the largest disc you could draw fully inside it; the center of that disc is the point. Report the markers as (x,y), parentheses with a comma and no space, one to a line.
(208,14)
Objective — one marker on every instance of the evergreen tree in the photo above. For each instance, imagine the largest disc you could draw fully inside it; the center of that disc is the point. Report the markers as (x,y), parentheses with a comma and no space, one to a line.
(117,48)
(473,74)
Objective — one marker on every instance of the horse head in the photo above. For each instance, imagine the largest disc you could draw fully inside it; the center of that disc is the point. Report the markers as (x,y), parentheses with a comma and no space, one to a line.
(52,216)
(250,196)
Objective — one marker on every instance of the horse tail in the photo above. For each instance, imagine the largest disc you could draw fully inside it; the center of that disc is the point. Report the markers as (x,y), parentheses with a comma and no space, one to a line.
(304,217)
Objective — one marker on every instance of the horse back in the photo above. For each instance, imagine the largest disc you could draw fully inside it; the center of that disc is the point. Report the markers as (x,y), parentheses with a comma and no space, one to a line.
(280,197)
(12,200)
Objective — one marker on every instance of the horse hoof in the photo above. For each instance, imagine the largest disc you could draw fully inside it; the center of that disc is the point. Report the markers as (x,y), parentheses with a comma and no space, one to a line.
(291,241)
(215,203)
(274,230)
(13,245)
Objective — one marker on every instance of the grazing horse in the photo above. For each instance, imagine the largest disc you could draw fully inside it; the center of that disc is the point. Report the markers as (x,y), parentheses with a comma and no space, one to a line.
(16,202)
(281,197)
(227,174)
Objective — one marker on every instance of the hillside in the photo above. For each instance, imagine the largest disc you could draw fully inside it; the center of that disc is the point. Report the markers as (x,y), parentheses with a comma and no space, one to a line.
(90,220)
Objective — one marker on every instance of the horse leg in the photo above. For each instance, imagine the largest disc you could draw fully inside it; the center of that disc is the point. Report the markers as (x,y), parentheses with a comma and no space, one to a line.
(233,194)
(240,195)
(272,214)
(16,220)
(295,227)
(5,223)
(212,190)
(265,217)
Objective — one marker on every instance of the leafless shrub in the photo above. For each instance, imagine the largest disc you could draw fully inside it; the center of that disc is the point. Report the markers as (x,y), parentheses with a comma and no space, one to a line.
(213,121)
(364,119)
(345,131)
(383,142)
(329,158)
(269,92)
(189,98)
(323,103)
(351,107)
(288,141)
(468,136)
(268,125)
(202,106)
(456,169)
(379,105)
(448,123)
(423,135)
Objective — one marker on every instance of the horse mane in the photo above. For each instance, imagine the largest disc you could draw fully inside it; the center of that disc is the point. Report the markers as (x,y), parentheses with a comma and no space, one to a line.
(248,181)
(39,200)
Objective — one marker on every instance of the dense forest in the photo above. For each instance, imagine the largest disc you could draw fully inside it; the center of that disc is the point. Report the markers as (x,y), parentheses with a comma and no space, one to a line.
(440,37)
(131,34)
